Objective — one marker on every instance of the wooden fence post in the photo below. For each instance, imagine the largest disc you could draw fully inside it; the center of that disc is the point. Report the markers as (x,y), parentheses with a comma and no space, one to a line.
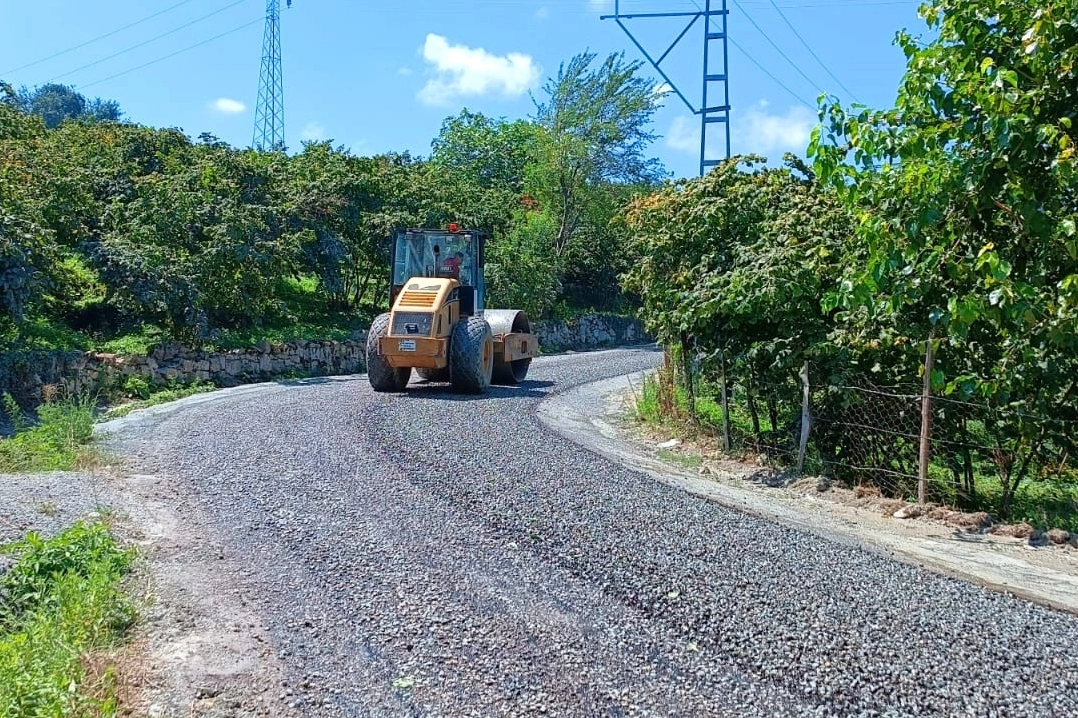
(806,418)
(926,420)
(688,368)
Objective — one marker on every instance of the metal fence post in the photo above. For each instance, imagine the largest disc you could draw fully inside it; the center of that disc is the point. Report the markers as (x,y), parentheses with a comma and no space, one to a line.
(926,420)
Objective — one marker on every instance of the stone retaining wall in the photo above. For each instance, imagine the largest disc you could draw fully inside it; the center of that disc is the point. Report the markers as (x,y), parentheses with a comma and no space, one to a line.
(592,331)
(25,374)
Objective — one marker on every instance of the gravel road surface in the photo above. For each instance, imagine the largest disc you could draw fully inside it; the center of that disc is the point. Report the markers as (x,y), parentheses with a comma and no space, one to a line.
(431,554)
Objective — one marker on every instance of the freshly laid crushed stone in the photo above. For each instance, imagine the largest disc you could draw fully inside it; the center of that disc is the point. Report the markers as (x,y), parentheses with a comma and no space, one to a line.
(427,553)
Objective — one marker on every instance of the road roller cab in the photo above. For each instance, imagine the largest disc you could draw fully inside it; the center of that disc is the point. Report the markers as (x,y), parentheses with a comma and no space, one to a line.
(437,323)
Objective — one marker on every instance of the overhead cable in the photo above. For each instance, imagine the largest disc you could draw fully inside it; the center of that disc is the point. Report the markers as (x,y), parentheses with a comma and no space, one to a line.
(173,54)
(151,40)
(99,37)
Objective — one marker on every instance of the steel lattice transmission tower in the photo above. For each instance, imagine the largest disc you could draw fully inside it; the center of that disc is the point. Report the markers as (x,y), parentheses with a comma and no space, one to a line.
(714,106)
(269,112)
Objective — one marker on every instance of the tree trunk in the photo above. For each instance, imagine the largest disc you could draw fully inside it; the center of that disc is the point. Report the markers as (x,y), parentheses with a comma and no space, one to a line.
(754,413)
(971,481)
(361,288)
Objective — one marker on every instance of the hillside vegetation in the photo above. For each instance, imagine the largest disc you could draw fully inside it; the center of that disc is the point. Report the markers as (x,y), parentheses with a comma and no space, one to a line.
(115,235)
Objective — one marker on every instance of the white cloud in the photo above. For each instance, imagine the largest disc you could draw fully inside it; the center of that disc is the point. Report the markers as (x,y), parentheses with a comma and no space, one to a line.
(404,71)
(684,134)
(601,5)
(754,131)
(662,89)
(542,13)
(764,133)
(228,106)
(313,132)
(462,71)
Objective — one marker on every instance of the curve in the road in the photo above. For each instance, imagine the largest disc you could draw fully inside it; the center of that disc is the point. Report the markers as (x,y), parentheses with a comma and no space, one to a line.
(426,553)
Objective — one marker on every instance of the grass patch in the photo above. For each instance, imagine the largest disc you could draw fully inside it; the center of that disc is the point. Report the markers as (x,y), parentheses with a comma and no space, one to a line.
(668,406)
(161,396)
(58,441)
(60,604)
(43,333)
(1043,503)
(691,461)
(137,343)
(304,314)
(647,406)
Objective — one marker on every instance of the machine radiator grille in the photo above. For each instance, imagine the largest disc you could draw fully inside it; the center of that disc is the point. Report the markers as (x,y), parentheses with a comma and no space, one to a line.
(413,323)
(418,299)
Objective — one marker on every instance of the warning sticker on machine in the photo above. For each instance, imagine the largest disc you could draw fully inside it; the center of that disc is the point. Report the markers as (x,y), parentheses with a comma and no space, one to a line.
(406,345)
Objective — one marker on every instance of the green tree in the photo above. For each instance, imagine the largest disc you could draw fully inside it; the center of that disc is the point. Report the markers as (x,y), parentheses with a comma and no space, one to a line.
(740,260)
(26,245)
(56,103)
(596,124)
(345,208)
(201,247)
(965,200)
(493,154)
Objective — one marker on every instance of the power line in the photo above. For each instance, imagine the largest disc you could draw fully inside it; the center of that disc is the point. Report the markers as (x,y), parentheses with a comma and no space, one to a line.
(152,39)
(173,54)
(772,43)
(763,69)
(99,37)
(825,68)
(767,72)
(853,5)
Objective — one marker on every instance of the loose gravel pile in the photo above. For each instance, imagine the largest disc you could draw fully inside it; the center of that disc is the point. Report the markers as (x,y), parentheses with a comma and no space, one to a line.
(433,554)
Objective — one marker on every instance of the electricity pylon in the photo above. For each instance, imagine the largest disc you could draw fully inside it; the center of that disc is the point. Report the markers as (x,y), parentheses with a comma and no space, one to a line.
(269,112)
(711,111)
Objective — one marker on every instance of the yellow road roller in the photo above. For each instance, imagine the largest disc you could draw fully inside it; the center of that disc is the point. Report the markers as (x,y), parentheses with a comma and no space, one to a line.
(437,323)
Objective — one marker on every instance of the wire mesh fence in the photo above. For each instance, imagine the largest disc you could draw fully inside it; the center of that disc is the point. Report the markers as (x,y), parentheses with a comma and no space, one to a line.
(869,434)
(897,437)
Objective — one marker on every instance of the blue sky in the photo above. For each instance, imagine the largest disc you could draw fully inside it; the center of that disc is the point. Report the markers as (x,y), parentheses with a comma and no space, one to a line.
(382,76)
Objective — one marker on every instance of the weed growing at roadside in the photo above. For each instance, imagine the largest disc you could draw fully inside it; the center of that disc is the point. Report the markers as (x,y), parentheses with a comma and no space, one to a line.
(59,604)
(647,404)
(689,461)
(56,442)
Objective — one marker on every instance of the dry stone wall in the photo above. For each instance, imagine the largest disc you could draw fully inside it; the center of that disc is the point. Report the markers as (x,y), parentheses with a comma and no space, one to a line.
(593,331)
(26,374)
